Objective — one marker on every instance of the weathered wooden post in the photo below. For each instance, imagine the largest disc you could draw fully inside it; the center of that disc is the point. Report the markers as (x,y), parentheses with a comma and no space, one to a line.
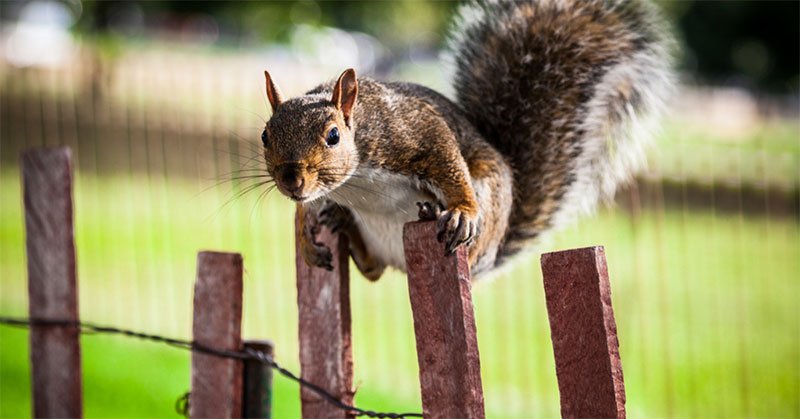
(584,333)
(323,301)
(257,393)
(52,283)
(217,382)
(444,324)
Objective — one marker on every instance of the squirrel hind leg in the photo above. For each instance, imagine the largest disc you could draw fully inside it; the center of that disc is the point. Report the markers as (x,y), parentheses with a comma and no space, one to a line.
(340,220)
(492,182)
(367,264)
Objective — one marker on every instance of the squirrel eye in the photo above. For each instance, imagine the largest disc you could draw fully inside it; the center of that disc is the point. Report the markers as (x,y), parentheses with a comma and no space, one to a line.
(264,138)
(333,137)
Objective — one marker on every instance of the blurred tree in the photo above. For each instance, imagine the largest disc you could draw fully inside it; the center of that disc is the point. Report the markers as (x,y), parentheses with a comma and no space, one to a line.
(755,44)
(750,43)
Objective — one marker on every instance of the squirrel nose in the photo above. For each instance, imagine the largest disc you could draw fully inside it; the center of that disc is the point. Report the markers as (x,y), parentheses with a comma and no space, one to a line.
(293,183)
(291,179)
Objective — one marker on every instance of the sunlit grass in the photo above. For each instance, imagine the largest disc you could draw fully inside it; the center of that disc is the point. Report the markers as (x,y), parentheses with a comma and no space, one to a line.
(768,155)
(705,305)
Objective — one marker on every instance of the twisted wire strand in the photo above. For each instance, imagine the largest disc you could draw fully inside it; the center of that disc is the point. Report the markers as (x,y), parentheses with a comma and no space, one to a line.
(247,354)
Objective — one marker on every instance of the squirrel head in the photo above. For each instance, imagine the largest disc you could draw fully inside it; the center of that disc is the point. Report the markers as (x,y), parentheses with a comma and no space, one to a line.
(309,142)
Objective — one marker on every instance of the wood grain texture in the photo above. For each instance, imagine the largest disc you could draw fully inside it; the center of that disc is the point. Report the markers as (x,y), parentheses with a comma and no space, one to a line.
(323,301)
(584,333)
(52,283)
(444,325)
(217,382)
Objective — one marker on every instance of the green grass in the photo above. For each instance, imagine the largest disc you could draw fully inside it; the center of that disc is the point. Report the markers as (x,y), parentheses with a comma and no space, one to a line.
(768,155)
(705,306)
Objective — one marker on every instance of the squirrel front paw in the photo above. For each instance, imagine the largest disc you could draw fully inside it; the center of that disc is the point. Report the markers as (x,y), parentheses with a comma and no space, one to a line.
(456,227)
(314,252)
(429,211)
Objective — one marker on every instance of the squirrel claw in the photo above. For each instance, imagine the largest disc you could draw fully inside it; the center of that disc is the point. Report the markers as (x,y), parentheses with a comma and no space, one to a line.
(457,228)
(318,255)
(325,257)
(429,211)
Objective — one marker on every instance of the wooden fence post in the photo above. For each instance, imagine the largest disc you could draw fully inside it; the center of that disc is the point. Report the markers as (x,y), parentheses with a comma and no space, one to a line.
(323,301)
(257,394)
(52,285)
(444,325)
(584,333)
(217,382)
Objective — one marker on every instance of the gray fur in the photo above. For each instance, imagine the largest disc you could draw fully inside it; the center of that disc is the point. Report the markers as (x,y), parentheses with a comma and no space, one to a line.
(566,90)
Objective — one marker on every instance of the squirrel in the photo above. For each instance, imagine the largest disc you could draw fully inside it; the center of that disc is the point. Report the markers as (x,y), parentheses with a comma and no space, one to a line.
(553,102)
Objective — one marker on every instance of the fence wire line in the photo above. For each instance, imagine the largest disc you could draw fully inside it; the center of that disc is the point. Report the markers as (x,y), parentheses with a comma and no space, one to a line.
(247,354)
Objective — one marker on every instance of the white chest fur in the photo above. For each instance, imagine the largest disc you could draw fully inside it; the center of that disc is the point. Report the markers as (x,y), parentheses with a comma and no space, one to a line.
(382,202)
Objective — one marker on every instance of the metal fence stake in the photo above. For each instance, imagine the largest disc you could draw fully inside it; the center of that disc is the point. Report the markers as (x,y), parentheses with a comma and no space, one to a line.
(257,395)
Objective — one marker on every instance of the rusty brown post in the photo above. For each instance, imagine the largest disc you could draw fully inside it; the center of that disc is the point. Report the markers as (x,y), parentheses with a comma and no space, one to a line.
(52,284)
(217,382)
(323,301)
(584,333)
(444,325)
(257,394)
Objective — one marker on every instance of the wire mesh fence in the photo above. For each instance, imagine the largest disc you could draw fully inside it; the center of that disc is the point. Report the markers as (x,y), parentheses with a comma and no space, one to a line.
(704,250)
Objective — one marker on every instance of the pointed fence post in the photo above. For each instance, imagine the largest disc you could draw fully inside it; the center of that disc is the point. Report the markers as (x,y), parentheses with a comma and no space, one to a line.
(584,333)
(217,382)
(444,325)
(323,301)
(52,284)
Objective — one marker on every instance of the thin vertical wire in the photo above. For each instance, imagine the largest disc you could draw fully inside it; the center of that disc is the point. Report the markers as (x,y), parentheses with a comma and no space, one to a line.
(635,224)
(662,299)
(742,293)
(687,278)
(146,101)
(165,198)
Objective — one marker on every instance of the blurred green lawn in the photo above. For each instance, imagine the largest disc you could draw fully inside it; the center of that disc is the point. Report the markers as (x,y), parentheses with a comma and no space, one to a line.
(768,156)
(706,306)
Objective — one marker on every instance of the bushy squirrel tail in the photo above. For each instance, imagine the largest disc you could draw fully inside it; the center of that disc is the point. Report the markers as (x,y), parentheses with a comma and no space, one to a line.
(565,90)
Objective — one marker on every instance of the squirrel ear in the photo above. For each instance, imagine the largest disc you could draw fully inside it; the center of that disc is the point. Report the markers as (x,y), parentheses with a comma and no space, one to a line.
(273,92)
(345,92)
